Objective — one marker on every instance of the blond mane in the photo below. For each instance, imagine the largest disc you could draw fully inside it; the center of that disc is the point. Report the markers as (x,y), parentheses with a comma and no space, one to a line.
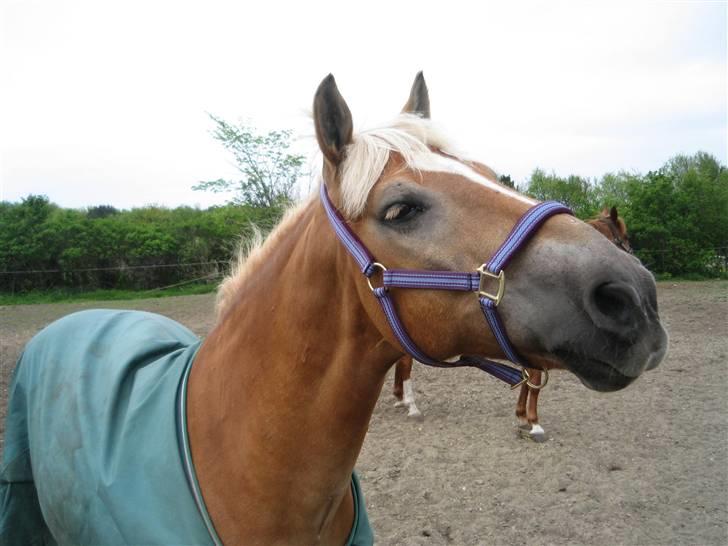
(409,136)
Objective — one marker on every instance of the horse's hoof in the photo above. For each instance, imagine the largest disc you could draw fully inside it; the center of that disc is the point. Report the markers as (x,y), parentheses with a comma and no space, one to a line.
(537,434)
(532,432)
(399,404)
(416,415)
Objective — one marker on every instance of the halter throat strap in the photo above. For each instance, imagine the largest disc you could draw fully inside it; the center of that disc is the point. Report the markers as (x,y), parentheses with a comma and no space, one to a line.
(474,281)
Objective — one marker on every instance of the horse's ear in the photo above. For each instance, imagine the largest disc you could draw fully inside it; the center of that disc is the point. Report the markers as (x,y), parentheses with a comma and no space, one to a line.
(419,99)
(332,119)
(613,215)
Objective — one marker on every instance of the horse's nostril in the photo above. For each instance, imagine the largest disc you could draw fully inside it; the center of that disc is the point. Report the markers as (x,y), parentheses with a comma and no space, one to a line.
(617,302)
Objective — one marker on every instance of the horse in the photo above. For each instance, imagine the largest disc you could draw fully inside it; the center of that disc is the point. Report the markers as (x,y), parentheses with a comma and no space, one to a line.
(255,424)
(612,226)
(609,224)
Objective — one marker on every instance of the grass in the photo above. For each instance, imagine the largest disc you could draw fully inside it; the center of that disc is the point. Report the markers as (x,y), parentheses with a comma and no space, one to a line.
(68,296)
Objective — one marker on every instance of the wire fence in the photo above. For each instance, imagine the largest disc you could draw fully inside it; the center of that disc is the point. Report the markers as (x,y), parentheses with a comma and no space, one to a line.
(150,277)
(114,268)
(160,276)
(680,261)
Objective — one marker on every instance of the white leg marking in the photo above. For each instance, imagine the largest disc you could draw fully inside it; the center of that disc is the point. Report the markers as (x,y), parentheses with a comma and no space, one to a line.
(409,395)
(537,430)
(414,412)
(409,400)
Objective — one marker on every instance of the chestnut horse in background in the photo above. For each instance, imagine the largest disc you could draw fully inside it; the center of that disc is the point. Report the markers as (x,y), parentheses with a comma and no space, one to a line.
(280,394)
(609,224)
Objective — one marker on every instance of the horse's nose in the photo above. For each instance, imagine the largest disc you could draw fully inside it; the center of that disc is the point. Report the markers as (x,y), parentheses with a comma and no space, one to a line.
(615,307)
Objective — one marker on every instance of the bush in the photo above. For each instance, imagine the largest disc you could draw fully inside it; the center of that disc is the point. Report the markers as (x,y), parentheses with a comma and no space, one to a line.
(44,247)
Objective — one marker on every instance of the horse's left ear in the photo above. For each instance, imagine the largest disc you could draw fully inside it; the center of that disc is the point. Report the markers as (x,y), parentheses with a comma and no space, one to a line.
(332,118)
(419,99)
(613,214)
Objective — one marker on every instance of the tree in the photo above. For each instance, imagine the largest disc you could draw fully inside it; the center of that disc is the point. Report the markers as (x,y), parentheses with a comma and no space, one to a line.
(101,211)
(678,216)
(613,190)
(269,171)
(575,192)
(506,180)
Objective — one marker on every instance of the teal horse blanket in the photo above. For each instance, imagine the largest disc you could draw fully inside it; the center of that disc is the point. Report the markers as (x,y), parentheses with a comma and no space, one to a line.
(96,451)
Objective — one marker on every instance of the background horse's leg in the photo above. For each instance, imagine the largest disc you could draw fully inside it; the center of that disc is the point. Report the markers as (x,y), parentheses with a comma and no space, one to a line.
(521,408)
(527,411)
(537,432)
(398,389)
(403,388)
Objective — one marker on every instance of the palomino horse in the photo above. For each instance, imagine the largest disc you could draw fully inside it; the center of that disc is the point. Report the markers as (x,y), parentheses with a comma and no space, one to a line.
(267,441)
(609,224)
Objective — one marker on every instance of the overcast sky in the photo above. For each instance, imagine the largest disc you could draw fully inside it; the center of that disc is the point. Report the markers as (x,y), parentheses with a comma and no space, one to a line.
(106,102)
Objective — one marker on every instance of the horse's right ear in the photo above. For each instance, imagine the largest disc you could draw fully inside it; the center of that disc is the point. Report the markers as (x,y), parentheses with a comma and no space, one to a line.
(419,99)
(332,119)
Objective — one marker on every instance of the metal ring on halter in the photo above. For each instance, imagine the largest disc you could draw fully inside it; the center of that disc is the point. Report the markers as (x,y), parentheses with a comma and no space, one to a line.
(375,265)
(500,277)
(526,376)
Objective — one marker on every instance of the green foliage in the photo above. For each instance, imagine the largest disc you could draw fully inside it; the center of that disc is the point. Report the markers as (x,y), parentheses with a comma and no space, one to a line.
(506,180)
(44,247)
(677,216)
(101,211)
(269,172)
(574,191)
(70,295)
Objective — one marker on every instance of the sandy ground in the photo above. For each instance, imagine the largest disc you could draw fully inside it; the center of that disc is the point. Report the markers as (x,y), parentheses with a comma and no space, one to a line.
(648,465)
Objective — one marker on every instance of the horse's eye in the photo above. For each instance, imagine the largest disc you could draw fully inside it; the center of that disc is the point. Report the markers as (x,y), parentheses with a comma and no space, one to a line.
(400,212)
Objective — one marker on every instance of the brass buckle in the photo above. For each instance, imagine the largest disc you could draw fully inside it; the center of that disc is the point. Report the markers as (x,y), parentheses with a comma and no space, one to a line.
(375,265)
(501,284)
(527,376)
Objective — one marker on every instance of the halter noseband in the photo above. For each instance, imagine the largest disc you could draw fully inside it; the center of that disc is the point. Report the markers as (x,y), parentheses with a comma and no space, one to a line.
(475,281)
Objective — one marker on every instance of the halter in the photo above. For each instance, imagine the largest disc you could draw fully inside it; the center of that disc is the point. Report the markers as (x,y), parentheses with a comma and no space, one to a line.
(475,281)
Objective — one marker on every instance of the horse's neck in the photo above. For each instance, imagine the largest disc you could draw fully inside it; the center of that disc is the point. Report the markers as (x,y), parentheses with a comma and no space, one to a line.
(282,391)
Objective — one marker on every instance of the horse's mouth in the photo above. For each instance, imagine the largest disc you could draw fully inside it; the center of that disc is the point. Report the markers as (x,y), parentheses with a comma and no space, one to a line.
(596,374)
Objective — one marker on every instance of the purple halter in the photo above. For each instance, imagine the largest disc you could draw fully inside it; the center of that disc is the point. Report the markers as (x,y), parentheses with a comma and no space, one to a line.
(474,281)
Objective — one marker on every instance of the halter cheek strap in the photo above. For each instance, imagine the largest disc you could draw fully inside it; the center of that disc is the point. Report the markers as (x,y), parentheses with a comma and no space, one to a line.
(524,229)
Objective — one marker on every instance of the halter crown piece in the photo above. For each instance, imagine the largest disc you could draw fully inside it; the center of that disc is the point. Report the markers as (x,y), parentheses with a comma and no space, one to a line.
(474,281)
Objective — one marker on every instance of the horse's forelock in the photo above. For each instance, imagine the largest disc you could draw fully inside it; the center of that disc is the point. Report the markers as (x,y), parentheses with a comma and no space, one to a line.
(409,136)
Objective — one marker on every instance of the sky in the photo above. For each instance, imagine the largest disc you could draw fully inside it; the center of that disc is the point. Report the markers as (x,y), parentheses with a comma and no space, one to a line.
(107,102)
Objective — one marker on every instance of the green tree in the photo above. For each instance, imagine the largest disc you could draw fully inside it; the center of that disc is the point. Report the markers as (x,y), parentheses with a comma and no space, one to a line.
(678,216)
(574,191)
(613,190)
(101,211)
(269,170)
(506,180)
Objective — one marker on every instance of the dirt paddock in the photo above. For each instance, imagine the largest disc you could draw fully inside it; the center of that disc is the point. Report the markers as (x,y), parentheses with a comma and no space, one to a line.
(647,465)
